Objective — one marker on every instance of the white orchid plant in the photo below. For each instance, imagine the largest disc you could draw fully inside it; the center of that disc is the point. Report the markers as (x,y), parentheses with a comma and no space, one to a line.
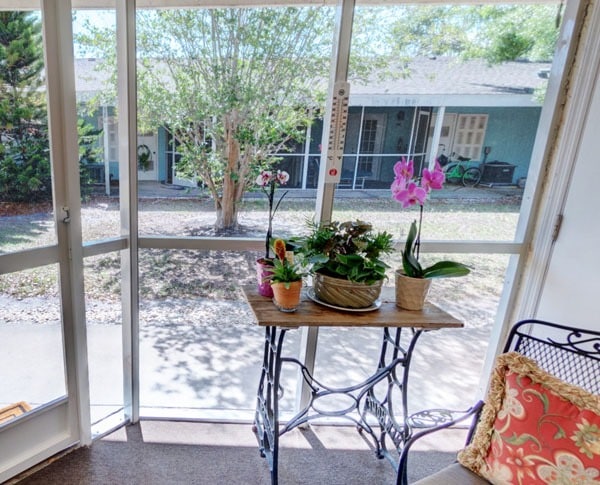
(268,180)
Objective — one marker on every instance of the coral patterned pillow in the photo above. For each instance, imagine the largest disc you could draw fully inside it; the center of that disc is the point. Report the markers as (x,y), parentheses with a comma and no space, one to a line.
(535,429)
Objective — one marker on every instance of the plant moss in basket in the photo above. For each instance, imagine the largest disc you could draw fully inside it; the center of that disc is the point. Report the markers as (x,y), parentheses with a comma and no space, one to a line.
(344,258)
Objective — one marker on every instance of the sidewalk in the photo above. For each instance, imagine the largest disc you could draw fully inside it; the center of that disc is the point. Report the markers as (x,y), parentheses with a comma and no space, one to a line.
(148,189)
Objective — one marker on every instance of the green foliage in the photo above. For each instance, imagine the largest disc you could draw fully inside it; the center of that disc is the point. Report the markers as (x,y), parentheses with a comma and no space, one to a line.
(412,267)
(348,250)
(509,46)
(25,172)
(496,33)
(24,160)
(25,167)
(21,65)
(232,85)
(283,271)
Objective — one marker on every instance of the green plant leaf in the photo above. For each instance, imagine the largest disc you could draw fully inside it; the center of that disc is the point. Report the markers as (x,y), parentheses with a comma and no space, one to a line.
(446,269)
(518,440)
(410,263)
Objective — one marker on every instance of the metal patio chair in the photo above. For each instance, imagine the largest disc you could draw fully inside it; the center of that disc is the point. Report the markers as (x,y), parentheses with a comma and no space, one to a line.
(570,354)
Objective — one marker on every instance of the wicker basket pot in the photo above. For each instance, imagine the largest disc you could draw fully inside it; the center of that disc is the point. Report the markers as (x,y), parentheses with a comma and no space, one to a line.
(411,292)
(344,293)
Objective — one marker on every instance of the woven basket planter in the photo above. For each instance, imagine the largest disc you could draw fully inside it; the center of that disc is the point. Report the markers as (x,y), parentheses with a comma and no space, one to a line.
(344,293)
(411,292)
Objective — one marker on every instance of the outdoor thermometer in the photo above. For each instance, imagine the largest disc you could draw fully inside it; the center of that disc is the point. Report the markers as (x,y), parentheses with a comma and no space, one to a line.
(337,132)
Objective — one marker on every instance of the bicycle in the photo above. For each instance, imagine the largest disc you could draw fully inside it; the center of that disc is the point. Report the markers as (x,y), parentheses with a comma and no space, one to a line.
(458,171)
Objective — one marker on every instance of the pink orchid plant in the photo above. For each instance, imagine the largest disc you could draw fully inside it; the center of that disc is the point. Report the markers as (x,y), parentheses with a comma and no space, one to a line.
(408,191)
(268,180)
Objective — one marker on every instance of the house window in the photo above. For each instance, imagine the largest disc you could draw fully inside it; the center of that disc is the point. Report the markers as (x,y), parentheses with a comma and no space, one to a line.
(112,141)
(109,124)
(371,144)
(469,136)
(367,145)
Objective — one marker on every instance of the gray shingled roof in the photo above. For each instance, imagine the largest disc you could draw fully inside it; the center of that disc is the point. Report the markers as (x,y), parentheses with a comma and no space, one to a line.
(426,77)
(452,76)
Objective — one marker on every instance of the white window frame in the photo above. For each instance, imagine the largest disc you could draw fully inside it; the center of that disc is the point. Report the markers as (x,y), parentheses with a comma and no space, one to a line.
(529,239)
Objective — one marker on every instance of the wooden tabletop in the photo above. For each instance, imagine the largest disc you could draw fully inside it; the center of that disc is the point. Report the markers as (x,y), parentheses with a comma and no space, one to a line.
(311,314)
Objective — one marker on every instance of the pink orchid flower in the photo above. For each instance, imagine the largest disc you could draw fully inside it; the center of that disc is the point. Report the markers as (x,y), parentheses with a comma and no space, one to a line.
(398,185)
(411,195)
(404,169)
(433,180)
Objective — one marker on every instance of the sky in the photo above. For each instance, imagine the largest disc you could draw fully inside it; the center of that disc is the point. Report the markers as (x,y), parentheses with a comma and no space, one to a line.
(102,18)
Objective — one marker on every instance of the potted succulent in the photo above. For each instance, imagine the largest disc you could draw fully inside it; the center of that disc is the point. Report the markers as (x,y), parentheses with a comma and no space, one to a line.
(285,277)
(344,258)
(413,280)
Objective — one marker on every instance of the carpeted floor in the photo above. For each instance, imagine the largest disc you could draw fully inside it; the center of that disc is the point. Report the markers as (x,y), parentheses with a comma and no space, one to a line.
(160,453)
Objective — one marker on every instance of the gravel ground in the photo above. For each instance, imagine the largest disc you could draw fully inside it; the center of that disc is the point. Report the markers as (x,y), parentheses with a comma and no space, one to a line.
(183,279)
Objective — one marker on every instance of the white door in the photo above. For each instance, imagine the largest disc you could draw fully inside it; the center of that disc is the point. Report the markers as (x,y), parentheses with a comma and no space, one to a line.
(44,406)
(446,135)
(147,157)
(469,135)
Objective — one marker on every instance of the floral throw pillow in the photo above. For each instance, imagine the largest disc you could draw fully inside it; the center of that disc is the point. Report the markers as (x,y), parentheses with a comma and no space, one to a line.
(535,429)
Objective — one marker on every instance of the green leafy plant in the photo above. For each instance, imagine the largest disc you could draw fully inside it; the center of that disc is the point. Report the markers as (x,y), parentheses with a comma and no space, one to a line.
(348,250)
(284,270)
(414,269)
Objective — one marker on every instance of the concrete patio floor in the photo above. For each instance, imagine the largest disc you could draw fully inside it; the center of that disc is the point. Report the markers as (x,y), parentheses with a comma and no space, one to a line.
(195,364)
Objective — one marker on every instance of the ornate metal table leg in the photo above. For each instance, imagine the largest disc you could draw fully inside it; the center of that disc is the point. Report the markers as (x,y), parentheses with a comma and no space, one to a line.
(266,418)
(395,351)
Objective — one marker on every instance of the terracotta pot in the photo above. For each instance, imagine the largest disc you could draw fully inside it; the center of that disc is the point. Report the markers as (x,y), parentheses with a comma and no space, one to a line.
(344,293)
(263,276)
(411,292)
(287,299)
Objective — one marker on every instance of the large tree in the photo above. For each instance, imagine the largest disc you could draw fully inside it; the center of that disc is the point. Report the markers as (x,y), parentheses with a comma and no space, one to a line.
(233,86)
(497,33)
(24,162)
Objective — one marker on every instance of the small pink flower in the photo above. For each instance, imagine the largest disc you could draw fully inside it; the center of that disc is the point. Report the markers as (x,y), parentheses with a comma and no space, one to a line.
(433,180)
(404,169)
(411,195)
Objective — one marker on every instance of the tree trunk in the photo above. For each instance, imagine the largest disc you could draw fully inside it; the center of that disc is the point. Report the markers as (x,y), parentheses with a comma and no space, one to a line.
(226,207)
(226,210)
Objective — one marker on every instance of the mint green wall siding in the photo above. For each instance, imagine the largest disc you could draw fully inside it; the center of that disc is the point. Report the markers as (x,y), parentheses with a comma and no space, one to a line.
(510,133)
(161,154)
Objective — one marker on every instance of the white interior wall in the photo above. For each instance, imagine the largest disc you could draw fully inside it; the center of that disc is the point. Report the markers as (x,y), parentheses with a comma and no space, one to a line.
(571,290)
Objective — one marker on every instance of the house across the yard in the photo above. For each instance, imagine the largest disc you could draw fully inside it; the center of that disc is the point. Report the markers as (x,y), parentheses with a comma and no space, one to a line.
(488,113)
